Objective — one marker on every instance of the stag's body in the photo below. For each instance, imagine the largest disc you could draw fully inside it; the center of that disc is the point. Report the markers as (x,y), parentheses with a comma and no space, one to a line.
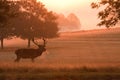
(29,53)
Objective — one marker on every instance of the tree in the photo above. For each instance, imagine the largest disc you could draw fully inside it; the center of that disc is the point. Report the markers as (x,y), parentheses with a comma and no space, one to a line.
(110,16)
(35,21)
(7,11)
(24,26)
(5,14)
(4,8)
(48,28)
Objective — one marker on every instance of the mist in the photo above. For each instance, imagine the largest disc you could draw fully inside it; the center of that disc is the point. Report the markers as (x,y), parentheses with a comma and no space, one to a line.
(68,23)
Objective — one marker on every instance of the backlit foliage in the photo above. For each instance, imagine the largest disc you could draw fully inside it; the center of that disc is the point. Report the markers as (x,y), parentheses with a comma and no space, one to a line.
(110,15)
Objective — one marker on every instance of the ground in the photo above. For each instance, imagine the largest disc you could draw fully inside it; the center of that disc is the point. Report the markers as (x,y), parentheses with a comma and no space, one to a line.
(91,49)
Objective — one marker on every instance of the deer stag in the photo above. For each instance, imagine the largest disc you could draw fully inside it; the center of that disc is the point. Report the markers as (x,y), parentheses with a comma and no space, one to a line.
(30,53)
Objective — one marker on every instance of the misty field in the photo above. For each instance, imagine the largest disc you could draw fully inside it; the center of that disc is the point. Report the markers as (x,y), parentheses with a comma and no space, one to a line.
(84,55)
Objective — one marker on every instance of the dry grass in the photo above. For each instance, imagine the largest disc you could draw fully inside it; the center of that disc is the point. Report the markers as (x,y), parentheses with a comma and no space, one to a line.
(30,71)
(80,56)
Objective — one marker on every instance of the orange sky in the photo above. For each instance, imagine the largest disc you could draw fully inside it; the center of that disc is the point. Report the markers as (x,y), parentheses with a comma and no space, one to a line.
(63,5)
(87,16)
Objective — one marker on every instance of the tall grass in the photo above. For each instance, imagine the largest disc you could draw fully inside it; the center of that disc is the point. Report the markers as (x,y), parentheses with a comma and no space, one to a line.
(35,71)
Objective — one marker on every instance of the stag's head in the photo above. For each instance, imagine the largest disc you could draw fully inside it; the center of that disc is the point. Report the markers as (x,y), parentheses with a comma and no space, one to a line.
(40,47)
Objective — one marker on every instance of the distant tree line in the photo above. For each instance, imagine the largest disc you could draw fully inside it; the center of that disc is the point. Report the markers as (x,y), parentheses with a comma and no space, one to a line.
(26,19)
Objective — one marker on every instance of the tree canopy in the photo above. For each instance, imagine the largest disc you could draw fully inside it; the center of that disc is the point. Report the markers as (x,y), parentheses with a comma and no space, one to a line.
(4,9)
(26,19)
(37,20)
(5,14)
(110,15)
(34,21)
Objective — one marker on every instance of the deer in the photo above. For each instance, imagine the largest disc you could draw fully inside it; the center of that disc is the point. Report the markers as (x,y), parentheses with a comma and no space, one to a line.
(30,53)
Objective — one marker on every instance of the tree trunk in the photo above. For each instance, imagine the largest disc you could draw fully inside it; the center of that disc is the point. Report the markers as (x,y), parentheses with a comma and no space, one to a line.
(2,44)
(29,42)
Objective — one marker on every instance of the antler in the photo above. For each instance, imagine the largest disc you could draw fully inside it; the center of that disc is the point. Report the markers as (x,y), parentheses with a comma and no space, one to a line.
(34,42)
(44,42)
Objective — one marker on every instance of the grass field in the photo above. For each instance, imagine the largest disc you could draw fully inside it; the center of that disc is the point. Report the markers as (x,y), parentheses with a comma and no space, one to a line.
(84,55)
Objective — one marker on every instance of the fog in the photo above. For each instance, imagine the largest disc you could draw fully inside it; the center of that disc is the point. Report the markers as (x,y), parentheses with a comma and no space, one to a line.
(68,23)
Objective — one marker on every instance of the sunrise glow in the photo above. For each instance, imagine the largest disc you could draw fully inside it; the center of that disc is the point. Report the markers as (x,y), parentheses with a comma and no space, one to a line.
(61,5)
(64,3)
(81,8)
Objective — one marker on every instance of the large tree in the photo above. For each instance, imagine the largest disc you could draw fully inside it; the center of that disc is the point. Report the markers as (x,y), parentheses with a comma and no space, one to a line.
(24,26)
(4,8)
(35,21)
(7,11)
(110,15)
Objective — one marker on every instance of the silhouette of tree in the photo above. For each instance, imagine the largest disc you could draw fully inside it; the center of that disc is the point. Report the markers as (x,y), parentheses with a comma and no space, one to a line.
(4,8)
(31,20)
(49,27)
(7,11)
(24,26)
(34,21)
(110,16)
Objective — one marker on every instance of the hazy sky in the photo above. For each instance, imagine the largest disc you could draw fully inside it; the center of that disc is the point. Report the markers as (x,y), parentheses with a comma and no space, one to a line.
(82,8)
